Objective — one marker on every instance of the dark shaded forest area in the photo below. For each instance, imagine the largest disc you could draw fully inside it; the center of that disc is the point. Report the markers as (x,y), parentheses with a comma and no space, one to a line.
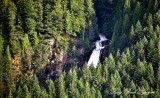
(45,44)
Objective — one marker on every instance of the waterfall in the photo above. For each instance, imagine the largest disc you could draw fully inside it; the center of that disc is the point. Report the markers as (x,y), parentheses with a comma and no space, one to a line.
(94,58)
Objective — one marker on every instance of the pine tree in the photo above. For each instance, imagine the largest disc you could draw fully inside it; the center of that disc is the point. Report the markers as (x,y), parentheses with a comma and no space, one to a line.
(157,76)
(50,88)
(72,84)
(157,17)
(35,88)
(7,69)
(132,35)
(140,48)
(47,19)
(13,39)
(110,63)
(39,19)
(98,94)
(90,19)
(144,84)
(125,93)
(86,74)
(156,5)
(29,16)
(150,74)
(126,24)
(117,80)
(44,93)
(26,54)
(137,11)
(80,86)
(57,16)
(1,57)
(150,6)
(10,95)
(69,29)
(19,92)
(124,61)
(126,6)
(140,71)
(138,31)
(112,86)
(132,86)
(152,53)
(26,92)
(157,29)
(125,79)
(87,91)
(61,87)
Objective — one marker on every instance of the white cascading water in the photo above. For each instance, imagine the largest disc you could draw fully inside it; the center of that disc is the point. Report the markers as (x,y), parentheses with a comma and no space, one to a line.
(94,58)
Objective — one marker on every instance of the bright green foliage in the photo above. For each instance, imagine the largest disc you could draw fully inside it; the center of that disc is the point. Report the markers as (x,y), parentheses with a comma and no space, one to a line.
(150,74)
(157,76)
(39,19)
(61,87)
(140,71)
(35,88)
(57,17)
(69,29)
(138,30)
(19,92)
(26,93)
(127,6)
(110,63)
(7,69)
(50,88)
(87,91)
(47,19)
(27,53)
(90,18)
(72,84)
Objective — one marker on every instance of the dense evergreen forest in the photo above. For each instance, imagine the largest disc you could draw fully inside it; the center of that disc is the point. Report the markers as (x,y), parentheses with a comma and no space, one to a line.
(45,44)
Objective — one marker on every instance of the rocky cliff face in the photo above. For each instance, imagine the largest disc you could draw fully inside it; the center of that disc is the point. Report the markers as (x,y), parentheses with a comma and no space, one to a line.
(55,59)
(63,60)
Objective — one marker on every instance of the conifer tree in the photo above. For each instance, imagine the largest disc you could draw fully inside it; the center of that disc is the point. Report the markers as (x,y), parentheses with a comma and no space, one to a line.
(138,30)
(50,88)
(57,16)
(69,29)
(1,57)
(132,86)
(26,93)
(47,19)
(140,71)
(7,69)
(150,74)
(150,6)
(90,18)
(87,91)
(132,35)
(157,76)
(110,63)
(137,11)
(39,19)
(19,92)
(35,88)
(61,87)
